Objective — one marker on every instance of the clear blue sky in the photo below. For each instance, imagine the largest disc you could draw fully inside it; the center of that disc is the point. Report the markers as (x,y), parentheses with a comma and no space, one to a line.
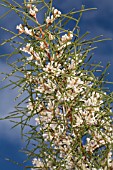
(97,22)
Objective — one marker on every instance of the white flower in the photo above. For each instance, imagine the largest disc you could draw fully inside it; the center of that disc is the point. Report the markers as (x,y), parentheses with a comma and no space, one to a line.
(70,35)
(63,46)
(52,18)
(79,121)
(48,20)
(34,161)
(66,37)
(20,28)
(37,121)
(28,45)
(42,45)
(37,163)
(88,139)
(30,58)
(51,37)
(33,11)
(27,31)
(35,8)
(56,13)
(26,49)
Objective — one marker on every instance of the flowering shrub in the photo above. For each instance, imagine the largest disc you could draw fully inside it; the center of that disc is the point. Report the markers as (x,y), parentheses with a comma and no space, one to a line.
(72,112)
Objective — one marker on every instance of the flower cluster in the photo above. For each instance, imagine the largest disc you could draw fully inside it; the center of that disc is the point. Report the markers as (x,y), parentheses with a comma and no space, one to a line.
(32,9)
(61,125)
(55,14)
(25,30)
(66,103)
(67,37)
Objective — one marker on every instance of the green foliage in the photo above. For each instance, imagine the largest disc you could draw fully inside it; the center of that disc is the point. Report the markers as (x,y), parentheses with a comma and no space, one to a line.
(68,102)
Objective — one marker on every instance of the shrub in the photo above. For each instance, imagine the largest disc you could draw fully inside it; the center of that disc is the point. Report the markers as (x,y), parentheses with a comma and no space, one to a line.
(70,106)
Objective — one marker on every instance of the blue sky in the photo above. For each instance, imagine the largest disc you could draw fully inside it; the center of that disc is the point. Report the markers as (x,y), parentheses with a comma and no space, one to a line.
(96,22)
